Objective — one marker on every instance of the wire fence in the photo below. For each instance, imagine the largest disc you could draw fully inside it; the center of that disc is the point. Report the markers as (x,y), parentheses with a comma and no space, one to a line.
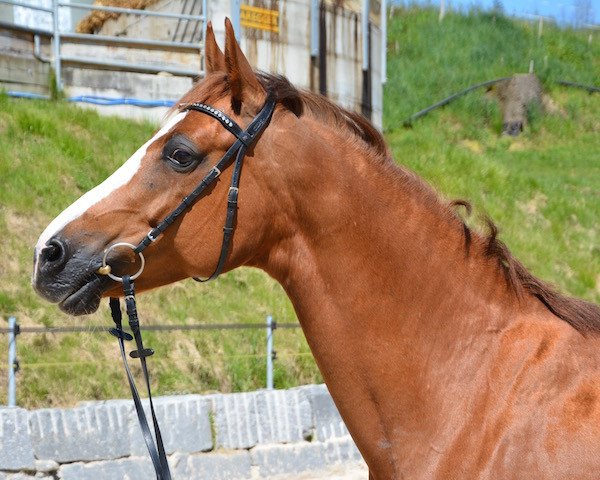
(14,330)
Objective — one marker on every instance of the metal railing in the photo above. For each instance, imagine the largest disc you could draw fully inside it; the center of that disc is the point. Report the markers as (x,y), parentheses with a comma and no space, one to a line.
(59,38)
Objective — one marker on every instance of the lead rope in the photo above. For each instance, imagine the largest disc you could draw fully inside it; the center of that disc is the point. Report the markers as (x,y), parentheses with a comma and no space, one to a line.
(245,138)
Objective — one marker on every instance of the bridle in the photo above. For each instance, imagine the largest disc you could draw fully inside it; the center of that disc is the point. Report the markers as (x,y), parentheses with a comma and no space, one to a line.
(244,140)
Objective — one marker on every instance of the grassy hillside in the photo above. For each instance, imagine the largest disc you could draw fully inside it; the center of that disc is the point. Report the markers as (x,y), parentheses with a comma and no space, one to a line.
(429,60)
(543,189)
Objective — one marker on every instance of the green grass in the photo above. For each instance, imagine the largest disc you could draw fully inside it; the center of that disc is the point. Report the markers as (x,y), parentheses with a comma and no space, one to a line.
(543,190)
(429,60)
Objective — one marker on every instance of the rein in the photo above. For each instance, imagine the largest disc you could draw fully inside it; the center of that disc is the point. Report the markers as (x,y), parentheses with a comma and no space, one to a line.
(244,139)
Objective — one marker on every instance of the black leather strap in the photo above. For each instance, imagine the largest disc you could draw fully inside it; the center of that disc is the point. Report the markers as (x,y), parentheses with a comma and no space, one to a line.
(230,217)
(155,449)
(245,138)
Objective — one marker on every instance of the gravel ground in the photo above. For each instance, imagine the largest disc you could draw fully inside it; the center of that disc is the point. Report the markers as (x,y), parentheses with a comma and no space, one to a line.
(350,471)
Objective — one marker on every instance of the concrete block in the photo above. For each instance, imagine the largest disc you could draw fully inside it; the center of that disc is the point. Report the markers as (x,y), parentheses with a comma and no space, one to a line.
(132,468)
(17,450)
(46,466)
(327,420)
(285,416)
(341,450)
(184,425)
(235,420)
(243,420)
(91,432)
(24,476)
(287,459)
(216,466)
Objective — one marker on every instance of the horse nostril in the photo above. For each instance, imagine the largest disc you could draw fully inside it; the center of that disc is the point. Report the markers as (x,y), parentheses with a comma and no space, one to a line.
(54,252)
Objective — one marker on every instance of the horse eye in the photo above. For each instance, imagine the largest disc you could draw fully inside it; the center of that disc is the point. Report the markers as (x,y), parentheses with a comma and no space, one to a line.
(181,158)
(181,154)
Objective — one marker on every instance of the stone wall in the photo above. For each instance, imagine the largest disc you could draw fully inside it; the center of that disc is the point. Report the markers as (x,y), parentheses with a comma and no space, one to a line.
(222,436)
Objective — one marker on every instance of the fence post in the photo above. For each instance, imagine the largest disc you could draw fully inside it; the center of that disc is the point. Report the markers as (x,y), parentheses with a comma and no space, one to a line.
(366,9)
(383,15)
(204,25)
(13,365)
(314,28)
(236,6)
(56,45)
(271,354)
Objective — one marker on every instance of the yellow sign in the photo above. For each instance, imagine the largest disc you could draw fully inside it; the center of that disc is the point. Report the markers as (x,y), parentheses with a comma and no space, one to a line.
(259,18)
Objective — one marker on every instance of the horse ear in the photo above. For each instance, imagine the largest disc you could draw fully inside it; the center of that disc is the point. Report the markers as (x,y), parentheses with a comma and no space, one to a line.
(214,58)
(243,83)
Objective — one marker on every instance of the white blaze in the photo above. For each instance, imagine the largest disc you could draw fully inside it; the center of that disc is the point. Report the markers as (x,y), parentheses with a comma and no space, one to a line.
(119,178)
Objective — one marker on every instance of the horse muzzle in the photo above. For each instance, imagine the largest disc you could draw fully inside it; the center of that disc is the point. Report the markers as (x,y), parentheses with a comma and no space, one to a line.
(66,273)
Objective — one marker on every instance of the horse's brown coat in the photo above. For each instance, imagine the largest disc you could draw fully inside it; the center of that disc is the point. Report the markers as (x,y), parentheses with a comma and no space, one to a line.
(442,353)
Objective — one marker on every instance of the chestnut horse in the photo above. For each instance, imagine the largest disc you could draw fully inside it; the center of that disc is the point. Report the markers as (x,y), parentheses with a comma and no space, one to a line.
(444,356)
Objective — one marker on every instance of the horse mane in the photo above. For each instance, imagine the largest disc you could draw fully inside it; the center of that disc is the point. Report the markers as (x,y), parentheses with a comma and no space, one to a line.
(304,101)
(297,101)
(582,315)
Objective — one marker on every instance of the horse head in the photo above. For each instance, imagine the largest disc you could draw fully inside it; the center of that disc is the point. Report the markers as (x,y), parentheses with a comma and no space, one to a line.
(148,186)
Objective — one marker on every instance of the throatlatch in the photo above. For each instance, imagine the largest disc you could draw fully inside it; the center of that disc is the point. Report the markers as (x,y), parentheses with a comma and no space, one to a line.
(244,139)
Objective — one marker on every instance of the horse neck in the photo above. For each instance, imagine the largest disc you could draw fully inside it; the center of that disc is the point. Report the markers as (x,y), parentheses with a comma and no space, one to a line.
(386,291)
(381,280)
(369,242)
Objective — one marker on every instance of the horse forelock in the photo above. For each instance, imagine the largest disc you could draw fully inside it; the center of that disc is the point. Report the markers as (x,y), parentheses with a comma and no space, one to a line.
(211,88)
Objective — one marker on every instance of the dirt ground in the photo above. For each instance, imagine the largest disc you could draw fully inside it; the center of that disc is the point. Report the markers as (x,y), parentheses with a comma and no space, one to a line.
(350,471)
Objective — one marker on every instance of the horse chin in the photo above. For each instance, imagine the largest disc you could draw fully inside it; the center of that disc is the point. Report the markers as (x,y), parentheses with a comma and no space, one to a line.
(86,298)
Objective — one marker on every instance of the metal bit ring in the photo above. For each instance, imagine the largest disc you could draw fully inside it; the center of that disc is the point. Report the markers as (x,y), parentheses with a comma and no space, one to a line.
(106,268)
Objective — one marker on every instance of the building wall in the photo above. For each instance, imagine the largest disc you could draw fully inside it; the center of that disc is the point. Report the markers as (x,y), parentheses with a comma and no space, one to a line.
(20,70)
(338,72)
(27,17)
